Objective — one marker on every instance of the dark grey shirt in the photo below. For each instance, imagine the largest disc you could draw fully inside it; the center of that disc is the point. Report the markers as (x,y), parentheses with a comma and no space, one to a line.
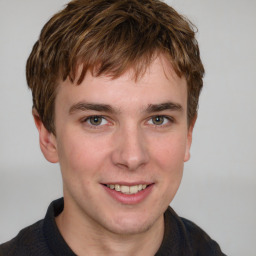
(181,238)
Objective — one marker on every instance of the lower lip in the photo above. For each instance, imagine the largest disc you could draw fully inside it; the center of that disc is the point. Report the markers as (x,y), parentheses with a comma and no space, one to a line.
(129,199)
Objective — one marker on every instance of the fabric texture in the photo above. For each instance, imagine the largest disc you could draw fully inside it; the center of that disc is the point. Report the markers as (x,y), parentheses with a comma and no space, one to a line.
(181,238)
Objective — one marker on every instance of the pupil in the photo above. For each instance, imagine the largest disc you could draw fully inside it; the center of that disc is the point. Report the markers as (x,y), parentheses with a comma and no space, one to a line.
(158,120)
(96,120)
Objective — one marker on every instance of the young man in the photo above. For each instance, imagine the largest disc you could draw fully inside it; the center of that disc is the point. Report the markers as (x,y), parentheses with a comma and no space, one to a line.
(115,89)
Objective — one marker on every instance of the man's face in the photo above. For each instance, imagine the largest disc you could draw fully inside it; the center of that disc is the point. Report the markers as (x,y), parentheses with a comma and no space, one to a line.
(119,134)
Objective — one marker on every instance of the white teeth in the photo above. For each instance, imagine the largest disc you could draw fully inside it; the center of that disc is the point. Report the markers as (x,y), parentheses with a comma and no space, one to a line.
(117,188)
(133,189)
(127,189)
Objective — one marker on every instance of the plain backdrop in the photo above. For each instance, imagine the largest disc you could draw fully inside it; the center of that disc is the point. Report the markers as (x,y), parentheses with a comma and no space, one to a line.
(218,190)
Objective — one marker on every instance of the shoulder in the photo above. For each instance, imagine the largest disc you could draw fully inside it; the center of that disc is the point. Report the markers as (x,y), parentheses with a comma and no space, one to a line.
(200,241)
(29,241)
(192,237)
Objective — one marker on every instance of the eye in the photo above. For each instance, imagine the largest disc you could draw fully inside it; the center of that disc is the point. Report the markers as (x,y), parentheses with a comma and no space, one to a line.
(96,120)
(159,120)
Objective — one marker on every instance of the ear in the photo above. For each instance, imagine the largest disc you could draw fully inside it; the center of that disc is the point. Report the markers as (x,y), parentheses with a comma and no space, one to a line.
(47,140)
(189,139)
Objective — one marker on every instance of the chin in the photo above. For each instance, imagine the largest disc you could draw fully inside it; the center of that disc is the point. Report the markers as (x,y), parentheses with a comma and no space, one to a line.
(129,229)
(130,225)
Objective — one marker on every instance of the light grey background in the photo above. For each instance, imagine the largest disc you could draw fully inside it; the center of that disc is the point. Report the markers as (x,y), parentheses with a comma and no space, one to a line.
(218,191)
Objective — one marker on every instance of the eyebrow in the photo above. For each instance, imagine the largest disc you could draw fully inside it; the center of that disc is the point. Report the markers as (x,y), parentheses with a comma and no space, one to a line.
(83,106)
(164,106)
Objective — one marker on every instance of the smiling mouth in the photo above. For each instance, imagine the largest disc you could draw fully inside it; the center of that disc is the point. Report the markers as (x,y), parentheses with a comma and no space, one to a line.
(128,190)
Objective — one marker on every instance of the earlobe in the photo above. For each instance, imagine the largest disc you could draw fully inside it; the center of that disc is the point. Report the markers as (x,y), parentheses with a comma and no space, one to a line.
(47,140)
(189,139)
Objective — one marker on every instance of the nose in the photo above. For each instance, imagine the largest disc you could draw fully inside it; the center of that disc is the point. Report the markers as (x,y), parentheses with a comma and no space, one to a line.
(130,150)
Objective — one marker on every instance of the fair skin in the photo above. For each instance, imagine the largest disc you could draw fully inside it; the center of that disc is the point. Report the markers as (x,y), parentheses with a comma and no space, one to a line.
(132,134)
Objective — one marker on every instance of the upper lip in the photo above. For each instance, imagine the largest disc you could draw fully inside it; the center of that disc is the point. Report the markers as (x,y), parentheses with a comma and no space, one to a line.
(124,183)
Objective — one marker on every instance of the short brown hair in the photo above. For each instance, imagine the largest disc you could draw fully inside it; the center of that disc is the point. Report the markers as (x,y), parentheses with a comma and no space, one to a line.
(109,37)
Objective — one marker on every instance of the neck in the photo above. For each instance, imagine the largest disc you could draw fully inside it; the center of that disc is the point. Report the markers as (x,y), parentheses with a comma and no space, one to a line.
(85,238)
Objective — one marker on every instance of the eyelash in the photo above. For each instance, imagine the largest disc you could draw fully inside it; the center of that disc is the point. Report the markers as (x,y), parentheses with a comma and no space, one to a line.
(168,120)
(87,120)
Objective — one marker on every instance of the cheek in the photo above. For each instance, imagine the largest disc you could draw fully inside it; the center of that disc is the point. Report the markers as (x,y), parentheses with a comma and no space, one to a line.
(78,164)
(170,152)
(169,156)
(80,154)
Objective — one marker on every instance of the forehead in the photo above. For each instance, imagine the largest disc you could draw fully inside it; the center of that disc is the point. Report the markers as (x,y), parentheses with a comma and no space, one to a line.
(159,83)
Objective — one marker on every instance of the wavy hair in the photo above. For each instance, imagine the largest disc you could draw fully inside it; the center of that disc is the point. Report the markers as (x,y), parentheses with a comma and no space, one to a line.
(110,37)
